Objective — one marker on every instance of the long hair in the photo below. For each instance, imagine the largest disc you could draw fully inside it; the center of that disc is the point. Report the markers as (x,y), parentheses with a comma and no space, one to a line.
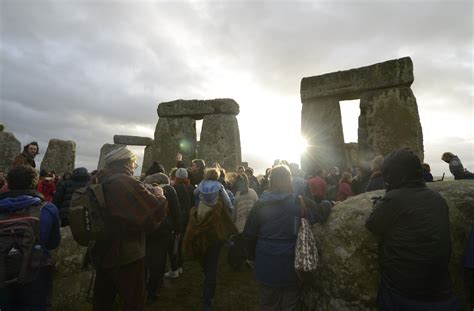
(280,179)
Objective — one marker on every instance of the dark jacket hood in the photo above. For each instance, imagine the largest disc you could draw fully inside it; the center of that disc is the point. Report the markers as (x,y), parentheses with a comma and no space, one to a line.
(80,174)
(401,168)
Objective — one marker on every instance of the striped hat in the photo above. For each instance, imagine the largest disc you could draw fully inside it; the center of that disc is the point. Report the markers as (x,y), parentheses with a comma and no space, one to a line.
(119,154)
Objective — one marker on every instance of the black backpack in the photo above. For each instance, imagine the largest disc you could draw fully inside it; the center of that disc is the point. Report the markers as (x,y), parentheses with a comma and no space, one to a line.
(21,254)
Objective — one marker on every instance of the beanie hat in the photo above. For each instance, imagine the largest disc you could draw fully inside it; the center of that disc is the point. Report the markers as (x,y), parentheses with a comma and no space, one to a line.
(181,173)
(119,154)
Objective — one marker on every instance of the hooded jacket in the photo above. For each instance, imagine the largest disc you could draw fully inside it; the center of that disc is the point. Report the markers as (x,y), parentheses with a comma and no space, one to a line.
(413,223)
(209,191)
(274,222)
(17,200)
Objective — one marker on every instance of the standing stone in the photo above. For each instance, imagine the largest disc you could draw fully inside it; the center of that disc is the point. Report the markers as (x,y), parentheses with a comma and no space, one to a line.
(173,135)
(321,126)
(10,147)
(147,159)
(220,141)
(60,156)
(106,148)
(389,120)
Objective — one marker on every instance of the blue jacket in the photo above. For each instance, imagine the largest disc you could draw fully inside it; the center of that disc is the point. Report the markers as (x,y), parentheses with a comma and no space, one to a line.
(208,191)
(49,219)
(274,221)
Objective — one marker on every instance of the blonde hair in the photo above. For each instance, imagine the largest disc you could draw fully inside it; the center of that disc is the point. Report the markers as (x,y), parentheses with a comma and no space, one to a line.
(280,179)
(347,177)
(212,174)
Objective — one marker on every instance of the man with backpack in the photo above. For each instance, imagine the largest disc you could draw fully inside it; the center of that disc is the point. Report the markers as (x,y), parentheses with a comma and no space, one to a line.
(132,210)
(29,228)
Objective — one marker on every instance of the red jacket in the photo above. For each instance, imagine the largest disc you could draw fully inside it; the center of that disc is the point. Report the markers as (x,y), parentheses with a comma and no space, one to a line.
(344,192)
(47,188)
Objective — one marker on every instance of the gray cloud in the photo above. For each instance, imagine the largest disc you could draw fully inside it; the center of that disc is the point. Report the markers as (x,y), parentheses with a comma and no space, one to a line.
(84,70)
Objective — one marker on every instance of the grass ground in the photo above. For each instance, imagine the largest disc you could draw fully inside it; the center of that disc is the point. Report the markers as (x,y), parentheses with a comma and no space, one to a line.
(236,289)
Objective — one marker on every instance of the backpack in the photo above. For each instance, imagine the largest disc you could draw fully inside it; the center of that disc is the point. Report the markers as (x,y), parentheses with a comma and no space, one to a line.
(21,254)
(89,218)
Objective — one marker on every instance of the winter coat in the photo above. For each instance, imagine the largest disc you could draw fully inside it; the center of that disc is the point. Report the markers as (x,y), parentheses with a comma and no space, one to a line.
(253,183)
(24,159)
(274,222)
(344,191)
(186,200)
(318,187)
(243,205)
(376,182)
(172,223)
(456,168)
(413,223)
(47,188)
(133,211)
(49,234)
(209,191)
(62,198)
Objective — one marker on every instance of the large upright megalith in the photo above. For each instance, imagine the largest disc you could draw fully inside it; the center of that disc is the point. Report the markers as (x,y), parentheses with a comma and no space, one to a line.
(388,118)
(176,132)
(10,147)
(60,156)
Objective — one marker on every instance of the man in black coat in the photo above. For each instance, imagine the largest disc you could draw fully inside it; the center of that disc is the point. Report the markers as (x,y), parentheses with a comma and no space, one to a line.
(413,223)
(62,198)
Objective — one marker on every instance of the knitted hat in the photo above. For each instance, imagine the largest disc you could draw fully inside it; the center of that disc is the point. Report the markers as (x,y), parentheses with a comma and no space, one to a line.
(119,154)
(181,173)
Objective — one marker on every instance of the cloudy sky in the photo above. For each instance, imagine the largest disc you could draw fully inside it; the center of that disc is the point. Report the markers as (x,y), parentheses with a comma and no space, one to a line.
(86,70)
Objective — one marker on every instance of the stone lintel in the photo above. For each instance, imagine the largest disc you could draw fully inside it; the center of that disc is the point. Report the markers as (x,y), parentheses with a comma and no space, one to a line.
(349,84)
(133,140)
(197,109)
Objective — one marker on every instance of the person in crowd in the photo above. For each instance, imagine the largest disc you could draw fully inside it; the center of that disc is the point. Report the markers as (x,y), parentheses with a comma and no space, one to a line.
(376,181)
(197,170)
(120,261)
(455,166)
(240,170)
(332,180)
(272,224)
(265,182)
(427,176)
(33,292)
(345,189)
(154,169)
(27,157)
(360,180)
(158,241)
(253,181)
(412,222)
(318,185)
(245,198)
(185,193)
(46,185)
(210,224)
(62,198)
(300,185)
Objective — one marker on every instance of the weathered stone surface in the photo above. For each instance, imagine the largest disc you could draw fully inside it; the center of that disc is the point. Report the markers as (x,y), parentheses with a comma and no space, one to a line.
(321,125)
(197,109)
(60,156)
(10,147)
(349,84)
(106,148)
(220,141)
(348,275)
(133,140)
(389,119)
(70,282)
(147,159)
(174,135)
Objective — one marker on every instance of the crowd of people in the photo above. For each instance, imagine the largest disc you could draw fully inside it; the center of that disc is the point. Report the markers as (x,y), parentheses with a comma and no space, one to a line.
(194,210)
